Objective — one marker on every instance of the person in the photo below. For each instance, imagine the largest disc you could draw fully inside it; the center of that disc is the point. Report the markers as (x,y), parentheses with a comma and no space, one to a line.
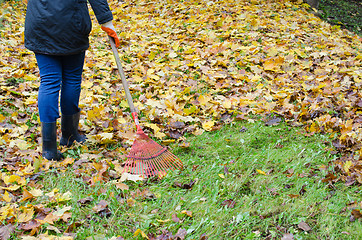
(57,31)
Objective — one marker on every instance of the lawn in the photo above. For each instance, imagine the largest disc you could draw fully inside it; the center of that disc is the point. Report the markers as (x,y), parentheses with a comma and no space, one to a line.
(261,100)
(245,181)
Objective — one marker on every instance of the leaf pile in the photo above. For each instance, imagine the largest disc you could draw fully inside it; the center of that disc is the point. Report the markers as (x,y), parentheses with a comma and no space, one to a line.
(192,66)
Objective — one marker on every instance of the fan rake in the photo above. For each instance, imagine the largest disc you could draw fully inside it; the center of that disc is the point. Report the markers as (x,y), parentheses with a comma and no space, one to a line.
(146,157)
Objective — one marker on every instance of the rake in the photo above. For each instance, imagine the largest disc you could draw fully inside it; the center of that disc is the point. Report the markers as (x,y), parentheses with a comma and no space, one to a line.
(146,157)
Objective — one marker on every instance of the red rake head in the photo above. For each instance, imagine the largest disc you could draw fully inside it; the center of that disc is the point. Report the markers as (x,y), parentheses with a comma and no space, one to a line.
(148,158)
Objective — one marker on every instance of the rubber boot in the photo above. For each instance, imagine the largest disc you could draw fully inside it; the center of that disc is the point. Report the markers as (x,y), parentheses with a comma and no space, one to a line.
(69,126)
(49,136)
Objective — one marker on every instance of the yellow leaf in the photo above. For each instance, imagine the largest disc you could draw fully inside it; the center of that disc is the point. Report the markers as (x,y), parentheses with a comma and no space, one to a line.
(160,135)
(172,55)
(37,164)
(190,110)
(60,212)
(163,221)
(203,99)
(30,101)
(52,193)
(36,192)
(208,125)
(347,166)
(26,215)
(152,55)
(273,64)
(227,103)
(6,197)
(188,213)
(221,175)
(139,231)
(26,195)
(261,172)
(131,202)
(67,161)
(65,197)
(11,188)
(21,144)
(14,179)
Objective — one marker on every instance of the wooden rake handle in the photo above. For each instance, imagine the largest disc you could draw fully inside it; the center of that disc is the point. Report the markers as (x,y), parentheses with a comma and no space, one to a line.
(125,84)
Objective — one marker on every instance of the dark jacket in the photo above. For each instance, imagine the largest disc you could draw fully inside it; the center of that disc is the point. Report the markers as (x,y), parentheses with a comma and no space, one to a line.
(61,27)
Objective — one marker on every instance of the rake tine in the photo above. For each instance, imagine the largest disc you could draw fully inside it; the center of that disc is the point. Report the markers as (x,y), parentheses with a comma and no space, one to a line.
(126,166)
(158,166)
(164,164)
(168,162)
(153,167)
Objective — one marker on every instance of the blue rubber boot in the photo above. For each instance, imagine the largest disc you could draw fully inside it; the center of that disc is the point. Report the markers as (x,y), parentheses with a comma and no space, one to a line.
(49,136)
(69,126)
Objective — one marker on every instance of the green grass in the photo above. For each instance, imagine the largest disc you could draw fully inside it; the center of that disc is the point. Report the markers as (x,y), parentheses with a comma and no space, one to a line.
(224,165)
(346,13)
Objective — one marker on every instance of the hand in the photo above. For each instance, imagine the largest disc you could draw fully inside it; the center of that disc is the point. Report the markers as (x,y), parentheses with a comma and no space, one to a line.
(111,31)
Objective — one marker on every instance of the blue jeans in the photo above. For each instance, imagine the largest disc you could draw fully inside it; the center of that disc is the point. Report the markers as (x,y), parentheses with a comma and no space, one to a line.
(59,74)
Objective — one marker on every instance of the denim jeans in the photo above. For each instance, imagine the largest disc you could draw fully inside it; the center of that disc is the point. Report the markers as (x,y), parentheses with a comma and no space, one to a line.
(59,74)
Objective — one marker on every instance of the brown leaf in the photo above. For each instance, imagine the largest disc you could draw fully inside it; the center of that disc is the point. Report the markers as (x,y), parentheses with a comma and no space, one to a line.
(185,185)
(273,191)
(175,218)
(226,170)
(86,200)
(194,167)
(273,121)
(175,134)
(293,195)
(288,236)
(177,125)
(203,236)
(102,205)
(73,226)
(329,178)
(304,226)
(184,144)
(356,214)
(302,190)
(6,231)
(289,172)
(30,225)
(122,186)
(337,144)
(181,233)
(66,216)
(229,203)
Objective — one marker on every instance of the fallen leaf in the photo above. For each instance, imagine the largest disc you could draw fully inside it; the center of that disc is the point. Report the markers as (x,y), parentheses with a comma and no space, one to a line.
(229,203)
(6,231)
(122,186)
(86,200)
(304,226)
(175,218)
(181,234)
(356,214)
(186,212)
(288,236)
(261,172)
(139,231)
(101,206)
(185,185)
